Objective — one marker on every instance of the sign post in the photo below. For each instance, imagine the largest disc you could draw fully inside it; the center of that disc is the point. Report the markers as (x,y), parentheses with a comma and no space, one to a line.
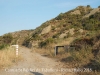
(16,49)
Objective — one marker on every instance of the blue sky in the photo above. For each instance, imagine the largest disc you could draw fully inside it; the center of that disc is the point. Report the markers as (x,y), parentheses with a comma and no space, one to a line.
(18,15)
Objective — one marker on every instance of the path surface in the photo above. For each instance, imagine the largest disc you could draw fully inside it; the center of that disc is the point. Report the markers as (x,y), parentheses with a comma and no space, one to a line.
(34,64)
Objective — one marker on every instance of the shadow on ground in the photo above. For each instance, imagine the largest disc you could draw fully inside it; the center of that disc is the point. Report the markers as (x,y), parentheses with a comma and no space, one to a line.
(95,65)
(68,59)
(36,73)
(45,55)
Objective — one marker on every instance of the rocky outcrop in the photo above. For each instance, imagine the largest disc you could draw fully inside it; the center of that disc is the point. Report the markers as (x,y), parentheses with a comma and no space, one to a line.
(76,12)
(46,29)
(92,12)
(71,31)
(66,33)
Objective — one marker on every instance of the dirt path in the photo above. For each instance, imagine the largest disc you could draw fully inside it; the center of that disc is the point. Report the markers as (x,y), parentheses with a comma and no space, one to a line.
(35,64)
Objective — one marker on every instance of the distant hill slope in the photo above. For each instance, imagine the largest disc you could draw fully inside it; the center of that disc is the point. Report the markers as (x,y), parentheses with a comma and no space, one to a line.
(75,22)
(17,37)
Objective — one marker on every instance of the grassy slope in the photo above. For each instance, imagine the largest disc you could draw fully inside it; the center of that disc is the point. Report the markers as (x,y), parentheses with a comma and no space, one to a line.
(8,57)
(87,55)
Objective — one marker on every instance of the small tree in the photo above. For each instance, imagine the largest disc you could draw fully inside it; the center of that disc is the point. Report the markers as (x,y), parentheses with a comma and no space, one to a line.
(7,38)
(98,6)
(88,6)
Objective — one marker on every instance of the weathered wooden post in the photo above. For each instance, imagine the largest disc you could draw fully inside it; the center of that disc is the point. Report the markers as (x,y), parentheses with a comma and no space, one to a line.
(66,48)
(56,50)
(16,49)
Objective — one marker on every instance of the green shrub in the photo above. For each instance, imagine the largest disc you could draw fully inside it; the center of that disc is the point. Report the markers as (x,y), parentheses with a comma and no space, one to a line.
(59,17)
(35,37)
(26,42)
(2,46)
(56,35)
(7,38)
(42,44)
(83,55)
(46,42)
(88,6)
(92,23)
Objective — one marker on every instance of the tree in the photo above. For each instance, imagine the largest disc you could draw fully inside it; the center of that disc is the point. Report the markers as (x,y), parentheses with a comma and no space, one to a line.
(7,38)
(98,6)
(88,6)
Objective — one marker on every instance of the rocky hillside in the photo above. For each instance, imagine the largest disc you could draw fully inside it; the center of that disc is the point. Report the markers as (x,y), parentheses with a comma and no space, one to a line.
(17,37)
(77,22)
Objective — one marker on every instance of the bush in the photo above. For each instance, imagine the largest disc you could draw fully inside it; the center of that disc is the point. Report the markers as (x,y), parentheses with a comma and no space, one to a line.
(60,16)
(26,42)
(46,42)
(92,23)
(35,37)
(42,44)
(88,6)
(2,46)
(7,38)
(98,6)
(8,57)
(83,55)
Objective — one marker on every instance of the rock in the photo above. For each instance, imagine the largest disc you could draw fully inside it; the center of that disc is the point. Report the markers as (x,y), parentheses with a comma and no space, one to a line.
(62,35)
(92,12)
(71,31)
(76,12)
(46,29)
(81,30)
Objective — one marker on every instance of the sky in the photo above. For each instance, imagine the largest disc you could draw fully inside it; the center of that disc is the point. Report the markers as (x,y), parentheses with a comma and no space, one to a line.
(16,15)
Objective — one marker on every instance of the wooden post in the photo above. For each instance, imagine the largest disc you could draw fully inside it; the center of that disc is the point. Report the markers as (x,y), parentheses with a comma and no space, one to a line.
(66,48)
(56,50)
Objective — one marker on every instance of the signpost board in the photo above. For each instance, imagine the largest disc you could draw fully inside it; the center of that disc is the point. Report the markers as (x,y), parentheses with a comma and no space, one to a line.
(16,49)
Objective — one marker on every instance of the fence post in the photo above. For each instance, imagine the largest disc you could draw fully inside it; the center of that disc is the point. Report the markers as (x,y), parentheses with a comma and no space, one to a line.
(56,50)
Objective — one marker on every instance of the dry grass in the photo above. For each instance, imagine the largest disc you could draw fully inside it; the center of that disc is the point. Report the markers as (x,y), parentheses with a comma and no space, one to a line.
(47,52)
(50,50)
(65,41)
(8,57)
(51,53)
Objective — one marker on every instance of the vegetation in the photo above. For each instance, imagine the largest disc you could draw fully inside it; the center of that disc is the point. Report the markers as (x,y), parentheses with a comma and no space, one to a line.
(92,23)
(7,53)
(5,40)
(47,42)
(8,57)
(87,43)
(87,54)
(65,21)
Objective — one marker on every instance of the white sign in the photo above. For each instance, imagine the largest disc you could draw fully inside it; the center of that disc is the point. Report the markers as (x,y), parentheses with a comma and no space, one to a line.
(16,49)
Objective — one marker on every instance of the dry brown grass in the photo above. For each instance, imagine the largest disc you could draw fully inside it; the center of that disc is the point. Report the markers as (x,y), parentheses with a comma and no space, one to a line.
(47,52)
(8,57)
(50,50)
(51,53)
(65,41)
